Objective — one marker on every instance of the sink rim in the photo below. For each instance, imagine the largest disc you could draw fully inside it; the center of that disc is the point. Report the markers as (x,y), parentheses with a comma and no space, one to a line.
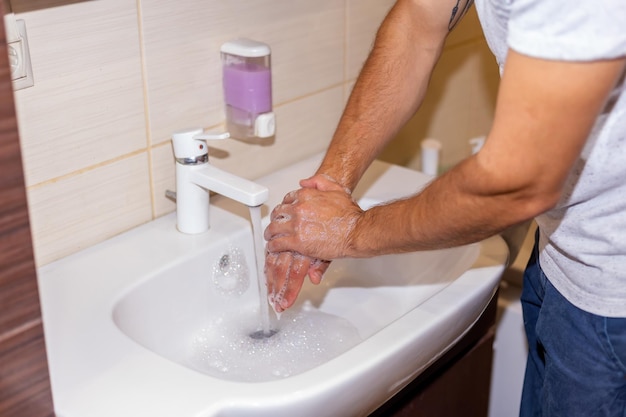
(123,363)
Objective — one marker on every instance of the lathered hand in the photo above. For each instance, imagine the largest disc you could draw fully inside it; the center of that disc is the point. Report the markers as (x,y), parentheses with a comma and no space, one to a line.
(316,223)
(285,273)
(286,270)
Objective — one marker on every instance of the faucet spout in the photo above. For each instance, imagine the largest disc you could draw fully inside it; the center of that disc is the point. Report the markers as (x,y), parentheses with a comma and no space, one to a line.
(195,177)
(219,181)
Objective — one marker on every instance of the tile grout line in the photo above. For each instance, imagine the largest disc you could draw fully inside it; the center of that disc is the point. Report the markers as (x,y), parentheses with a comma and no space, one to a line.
(146,108)
(164,143)
(86,169)
(346,23)
(466,42)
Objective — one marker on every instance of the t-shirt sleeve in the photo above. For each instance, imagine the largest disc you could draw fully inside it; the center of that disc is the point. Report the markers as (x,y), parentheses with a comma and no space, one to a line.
(582,30)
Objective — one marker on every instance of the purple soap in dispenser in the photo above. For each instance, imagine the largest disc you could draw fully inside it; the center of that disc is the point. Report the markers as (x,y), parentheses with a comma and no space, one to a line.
(247,81)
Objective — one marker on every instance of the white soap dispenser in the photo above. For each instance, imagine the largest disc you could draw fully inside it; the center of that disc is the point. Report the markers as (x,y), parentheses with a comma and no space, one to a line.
(247,82)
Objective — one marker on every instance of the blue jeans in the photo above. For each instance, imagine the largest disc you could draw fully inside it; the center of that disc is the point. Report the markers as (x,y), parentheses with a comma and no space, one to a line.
(576,361)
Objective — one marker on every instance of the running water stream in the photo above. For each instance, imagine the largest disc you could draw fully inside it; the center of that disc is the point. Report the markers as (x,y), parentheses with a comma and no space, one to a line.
(232,346)
(257,232)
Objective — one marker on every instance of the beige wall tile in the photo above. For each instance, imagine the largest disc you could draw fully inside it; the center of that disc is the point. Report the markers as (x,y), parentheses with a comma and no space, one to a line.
(163,178)
(87,105)
(461,96)
(304,128)
(365,16)
(348,86)
(459,105)
(183,61)
(78,211)
(467,30)
(311,57)
(96,144)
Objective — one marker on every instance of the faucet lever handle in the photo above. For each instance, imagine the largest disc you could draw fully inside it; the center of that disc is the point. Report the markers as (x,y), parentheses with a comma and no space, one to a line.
(190,146)
(212,135)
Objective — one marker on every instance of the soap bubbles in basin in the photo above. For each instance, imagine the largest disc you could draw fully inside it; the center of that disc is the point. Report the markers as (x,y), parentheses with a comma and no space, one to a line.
(301,340)
(230,273)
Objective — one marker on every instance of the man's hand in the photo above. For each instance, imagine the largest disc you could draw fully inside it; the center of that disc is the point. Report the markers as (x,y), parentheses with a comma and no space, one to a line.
(314,223)
(285,273)
(285,270)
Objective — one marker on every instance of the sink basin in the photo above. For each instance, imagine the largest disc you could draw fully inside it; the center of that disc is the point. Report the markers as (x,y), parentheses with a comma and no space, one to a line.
(157,323)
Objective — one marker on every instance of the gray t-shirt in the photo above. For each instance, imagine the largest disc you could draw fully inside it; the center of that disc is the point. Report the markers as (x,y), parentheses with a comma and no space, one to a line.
(583,239)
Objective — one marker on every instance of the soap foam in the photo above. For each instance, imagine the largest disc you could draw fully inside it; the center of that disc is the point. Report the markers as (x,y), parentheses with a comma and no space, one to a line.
(304,340)
(230,273)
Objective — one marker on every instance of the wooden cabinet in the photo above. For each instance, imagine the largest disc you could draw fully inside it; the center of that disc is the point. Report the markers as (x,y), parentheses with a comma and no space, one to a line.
(24,380)
(455,385)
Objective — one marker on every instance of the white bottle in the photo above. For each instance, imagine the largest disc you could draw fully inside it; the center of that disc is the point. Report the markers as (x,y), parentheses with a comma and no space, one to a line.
(431,149)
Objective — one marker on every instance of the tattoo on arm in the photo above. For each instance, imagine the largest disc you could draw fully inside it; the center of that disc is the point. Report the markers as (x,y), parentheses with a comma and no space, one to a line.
(458,11)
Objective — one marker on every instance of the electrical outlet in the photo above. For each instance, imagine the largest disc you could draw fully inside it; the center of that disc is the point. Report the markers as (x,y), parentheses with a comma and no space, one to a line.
(19,55)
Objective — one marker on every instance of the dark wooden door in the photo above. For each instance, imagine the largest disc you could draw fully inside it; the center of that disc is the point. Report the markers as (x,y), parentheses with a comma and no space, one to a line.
(24,380)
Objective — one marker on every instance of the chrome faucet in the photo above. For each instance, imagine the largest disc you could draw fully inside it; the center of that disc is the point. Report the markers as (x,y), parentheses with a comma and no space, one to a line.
(195,177)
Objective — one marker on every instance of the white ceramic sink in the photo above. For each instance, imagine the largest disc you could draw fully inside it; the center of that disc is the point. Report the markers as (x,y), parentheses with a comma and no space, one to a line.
(128,321)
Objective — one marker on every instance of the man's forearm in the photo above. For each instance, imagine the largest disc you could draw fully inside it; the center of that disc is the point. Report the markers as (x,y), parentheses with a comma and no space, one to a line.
(458,208)
(545,112)
(388,91)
